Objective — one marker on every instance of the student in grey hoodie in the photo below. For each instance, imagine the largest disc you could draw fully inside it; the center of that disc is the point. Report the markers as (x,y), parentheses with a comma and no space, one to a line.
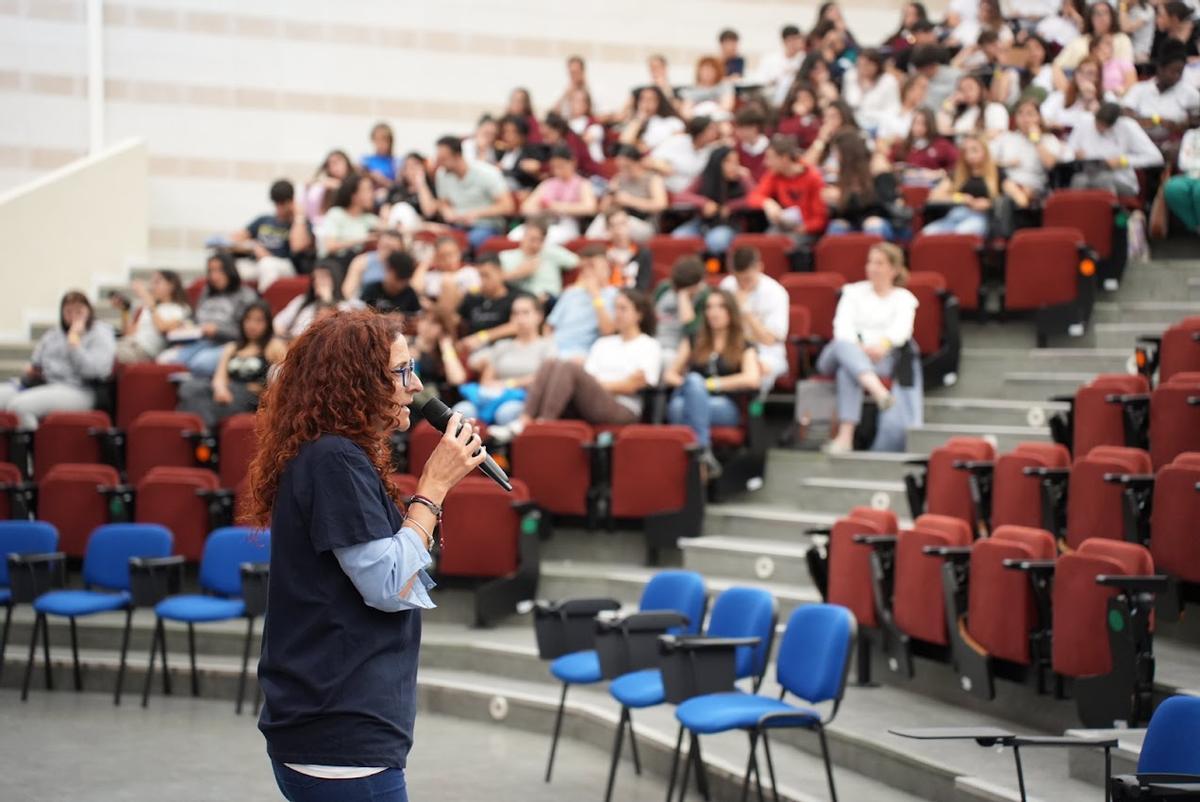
(66,363)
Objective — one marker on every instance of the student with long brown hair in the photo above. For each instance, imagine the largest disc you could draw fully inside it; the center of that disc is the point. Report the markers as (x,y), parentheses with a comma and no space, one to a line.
(973,187)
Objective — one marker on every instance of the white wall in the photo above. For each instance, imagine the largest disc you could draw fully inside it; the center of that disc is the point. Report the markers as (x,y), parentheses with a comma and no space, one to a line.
(230,94)
(71,229)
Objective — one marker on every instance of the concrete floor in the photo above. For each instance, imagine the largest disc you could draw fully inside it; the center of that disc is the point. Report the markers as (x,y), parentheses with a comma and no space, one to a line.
(65,745)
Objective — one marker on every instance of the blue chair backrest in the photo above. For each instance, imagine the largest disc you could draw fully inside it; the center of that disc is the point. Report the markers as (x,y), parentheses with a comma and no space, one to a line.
(1172,743)
(225,551)
(24,537)
(677,590)
(745,613)
(815,652)
(110,547)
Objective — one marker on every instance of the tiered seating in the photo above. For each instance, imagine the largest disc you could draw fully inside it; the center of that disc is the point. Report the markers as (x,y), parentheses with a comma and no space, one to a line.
(773,248)
(283,290)
(943,487)
(1045,272)
(237,447)
(69,437)
(1097,415)
(555,460)
(936,328)
(1174,417)
(665,251)
(1176,351)
(187,501)
(956,258)
(656,478)
(67,498)
(1092,212)
(144,387)
(1095,504)
(157,439)
(845,255)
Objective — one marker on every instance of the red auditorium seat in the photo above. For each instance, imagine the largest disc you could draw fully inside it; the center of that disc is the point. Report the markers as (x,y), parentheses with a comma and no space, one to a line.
(67,498)
(1178,350)
(1174,537)
(1095,506)
(914,198)
(1175,418)
(955,257)
(238,445)
(845,254)
(281,291)
(422,440)
(1091,212)
(194,290)
(554,459)
(1093,419)
(935,328)
(406,483)
(433,236)
(64,437)
(666,250)
(144,387)
(850,563)
(773,248)
(171,497)
(649,469)
(918,600)
(579,243)
(8,425)
(1017,497)
(10,477)
(799,329)
(818,293)
(1001,611)
(1044,271)
(946,490)
(498,244)
(161,439)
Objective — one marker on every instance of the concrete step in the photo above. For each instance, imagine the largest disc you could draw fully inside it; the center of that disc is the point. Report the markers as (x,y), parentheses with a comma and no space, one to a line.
(747,559)
(990,411)
(1088,360)
(1143,311)
(1041,386)
(925,438)
(18,350)
(872,465)
(1193,289)
(837,496)
(783,521)
(1124,335)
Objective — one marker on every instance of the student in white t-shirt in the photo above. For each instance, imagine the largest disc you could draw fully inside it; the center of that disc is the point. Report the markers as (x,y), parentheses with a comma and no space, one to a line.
(163,308)
(606,387)
(763,303)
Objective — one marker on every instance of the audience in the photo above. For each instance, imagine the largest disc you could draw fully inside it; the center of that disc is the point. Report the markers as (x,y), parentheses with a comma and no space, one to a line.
(318,196)
(971,190)
(777,70)
(380,163)
(350,222)
(859,201)
(565,195)
(324,289)
(635,189)
(163,308)
(584,312)
(394,292)
(483,315)
(789,193)
(1183,189)
(280,243)
(722,187)
(536,266)
(369,267)
(1110,147)
(217,313)
(680,157)
(472,195)
(763,303)
(677,303)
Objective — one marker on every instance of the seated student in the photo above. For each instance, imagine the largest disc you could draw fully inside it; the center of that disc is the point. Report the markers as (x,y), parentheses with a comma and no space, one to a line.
(300,312)
(763,303)
(1165,101)
(924,155)
(632,263)
(859,201)
(351,221)
(651,121)
(710,96)
(163,308)
(483,315)
(442,271)
(732,63)
(1182,192)
(319,191)
(677,303)
(635,189)
(1176,24)
(535,266)
(472,195)
(280,243)
(583,313)
(521,159)
(395,292)
(410,199)
(1117,75)
(583,123)
(369,267)
(799,117)
(221,304)
(719,361)
(723,182)
(973,188)
(557,132)
(968,111)
(790,193)
(1028,154)
(481,146)
(1111,147)
(66,362)
(871,91)
(565,197)
(506,368)
(1070,107)
(873,318)
(750,140)
(380,163)
(680,158)
(604,389)
(896,127)
(241,375)
(434,353)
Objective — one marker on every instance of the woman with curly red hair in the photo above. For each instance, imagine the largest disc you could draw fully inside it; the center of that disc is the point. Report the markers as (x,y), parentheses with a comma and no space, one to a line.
(339,656)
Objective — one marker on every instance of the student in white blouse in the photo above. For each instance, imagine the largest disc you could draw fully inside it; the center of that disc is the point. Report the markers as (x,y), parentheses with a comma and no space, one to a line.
(873,318)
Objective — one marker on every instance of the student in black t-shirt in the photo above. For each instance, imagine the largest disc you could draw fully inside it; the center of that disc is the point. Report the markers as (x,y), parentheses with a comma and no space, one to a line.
(280,243)
(395,293)
(974,187)
(484,316)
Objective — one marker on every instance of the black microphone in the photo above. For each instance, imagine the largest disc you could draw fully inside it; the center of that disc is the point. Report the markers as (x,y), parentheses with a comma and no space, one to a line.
(438,415)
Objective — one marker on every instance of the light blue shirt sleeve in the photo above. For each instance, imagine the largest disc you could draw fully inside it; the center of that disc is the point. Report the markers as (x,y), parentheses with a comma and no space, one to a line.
(381,568)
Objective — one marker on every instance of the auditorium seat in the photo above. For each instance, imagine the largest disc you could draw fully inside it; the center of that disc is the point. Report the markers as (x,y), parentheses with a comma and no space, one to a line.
(914,196)
(818,293)
(406,483)
(25,539)
(431,236)
(656,478)
(144,387)
(161,439)
(555,460)
(422,440)
(493,535)
(195,289)
(941,484)
(282,290)
(773,248)
(8,427)
(845,254)
(956,258)
(799,334)
(497,244)
(238,445)
(1174,418)
(1045,272)
(666,250)
(1016,489)
(69,437)
(185,501)
(1096,415)
(918,601)
(936,329)
(1092,213)
(1177,350)
(1095,503)
(14,501)
(68,498)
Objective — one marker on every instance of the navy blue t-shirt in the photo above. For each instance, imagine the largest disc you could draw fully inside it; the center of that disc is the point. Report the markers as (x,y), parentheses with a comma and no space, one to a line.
(338,677)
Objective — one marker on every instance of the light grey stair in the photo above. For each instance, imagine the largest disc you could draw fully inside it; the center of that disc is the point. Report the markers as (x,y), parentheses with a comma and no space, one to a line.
(747,559)
(990,411)
(836,496)
(1003,438)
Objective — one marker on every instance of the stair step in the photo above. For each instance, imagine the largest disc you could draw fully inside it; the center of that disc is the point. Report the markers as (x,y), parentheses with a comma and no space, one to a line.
(990,411)
(925,438)
(1143,311)
(747,559)
(836,496)
(775,522)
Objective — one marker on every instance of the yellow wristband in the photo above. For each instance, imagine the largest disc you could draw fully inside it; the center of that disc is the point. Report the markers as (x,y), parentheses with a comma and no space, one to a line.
(510,383)
(1124,161)
(886,343)
(1156,119)
(484,335)
(710,384)
(598,302)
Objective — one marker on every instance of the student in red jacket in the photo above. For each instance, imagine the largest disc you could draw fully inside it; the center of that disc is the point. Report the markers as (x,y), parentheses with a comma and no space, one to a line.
(790,192)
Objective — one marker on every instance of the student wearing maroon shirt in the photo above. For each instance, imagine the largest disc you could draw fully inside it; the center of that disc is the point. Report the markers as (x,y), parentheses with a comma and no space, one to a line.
(925,154)
(790,192)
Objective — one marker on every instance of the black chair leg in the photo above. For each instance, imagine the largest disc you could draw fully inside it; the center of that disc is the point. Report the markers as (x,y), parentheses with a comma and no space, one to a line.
(124,654)
(616,754)
(562,703)
(828,765)
(701,772)
(192,657)
(47,668)
(675,763)
(750,763)
(637,761)
(245,664)
(75,656)
(150,667)
(687,768)
(37,625)
(8,608)
(770,765)
(162,645)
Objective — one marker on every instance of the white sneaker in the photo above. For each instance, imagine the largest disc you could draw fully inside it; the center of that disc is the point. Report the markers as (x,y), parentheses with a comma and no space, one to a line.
(504,434)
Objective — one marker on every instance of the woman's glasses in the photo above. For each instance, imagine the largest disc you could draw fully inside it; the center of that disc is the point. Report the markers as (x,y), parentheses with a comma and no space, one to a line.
(404,371)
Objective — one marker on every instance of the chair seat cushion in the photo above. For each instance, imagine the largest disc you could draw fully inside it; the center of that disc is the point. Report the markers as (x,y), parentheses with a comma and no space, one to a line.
(577,668)
(718,712)
(200,608)
(639,688)
(80,602)
(727,436)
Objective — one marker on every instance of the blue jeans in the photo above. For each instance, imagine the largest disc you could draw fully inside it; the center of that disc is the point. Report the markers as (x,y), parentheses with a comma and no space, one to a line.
(692,406)
(201,357)
(847,361)
(505,414)
(386,786)
(478,234)
(717,239)
(960,220)
(872,225)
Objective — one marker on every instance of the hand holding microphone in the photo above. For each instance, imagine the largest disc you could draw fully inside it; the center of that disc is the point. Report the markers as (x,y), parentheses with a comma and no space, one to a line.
(461,449)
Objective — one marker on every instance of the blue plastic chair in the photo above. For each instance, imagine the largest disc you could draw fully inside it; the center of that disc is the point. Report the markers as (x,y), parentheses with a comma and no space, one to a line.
(682,591)
(737,613)
(814,658)
(110,549)
(233,574)
(24,538)
(1169,764)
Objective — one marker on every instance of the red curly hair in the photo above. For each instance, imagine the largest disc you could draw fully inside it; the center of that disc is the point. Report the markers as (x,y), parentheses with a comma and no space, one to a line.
(335,379)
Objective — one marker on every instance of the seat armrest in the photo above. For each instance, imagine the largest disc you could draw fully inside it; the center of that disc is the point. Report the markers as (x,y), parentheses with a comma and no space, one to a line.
(31,575)
(255,577)
(919,462)
(692,643)
(1030,566)
(220,493)
(114,490)
(1062,399)
(152,579)
(1047,473)
(1127,398)
(819,530)
(1134,480)
(1064,740)
(974,466)
(1193,400)
(955,554)
(875,540)
(575,607)
(648,621)
(1148,583)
